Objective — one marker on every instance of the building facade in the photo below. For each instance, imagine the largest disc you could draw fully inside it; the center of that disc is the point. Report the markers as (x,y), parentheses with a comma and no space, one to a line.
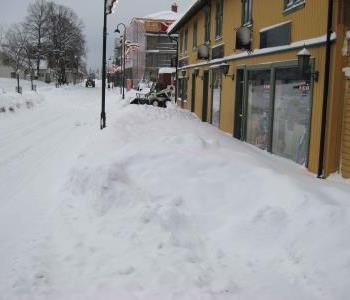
(154,49)
(239,70)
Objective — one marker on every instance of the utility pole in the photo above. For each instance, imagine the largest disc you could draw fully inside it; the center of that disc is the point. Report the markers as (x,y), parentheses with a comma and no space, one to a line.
(124,53)
(103,108)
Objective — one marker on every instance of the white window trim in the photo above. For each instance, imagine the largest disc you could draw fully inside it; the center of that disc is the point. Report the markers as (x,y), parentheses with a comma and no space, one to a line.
(294,6)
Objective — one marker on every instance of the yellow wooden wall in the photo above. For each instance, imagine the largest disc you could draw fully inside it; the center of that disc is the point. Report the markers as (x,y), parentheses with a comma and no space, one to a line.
(309,22)
(345,164)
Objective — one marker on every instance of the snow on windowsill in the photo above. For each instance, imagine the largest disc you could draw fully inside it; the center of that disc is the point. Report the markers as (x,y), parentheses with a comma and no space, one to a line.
(299,44)
(347,72)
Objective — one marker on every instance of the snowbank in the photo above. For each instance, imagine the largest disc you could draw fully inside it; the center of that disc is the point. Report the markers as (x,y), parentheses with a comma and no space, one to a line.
(162,206)
(10,101)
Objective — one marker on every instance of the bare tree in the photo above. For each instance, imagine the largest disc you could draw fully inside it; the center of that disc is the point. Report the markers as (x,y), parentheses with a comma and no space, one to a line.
(66,40)
(14,49)
(36,26)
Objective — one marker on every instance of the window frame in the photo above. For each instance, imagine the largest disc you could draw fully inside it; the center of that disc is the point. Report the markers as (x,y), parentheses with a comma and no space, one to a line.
(186,41)
(219,18)
(247,12)
(195,35)
(292,5)
(207,25)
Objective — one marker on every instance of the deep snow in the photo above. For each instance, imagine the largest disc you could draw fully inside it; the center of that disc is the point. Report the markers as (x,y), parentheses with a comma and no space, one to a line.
(159,206)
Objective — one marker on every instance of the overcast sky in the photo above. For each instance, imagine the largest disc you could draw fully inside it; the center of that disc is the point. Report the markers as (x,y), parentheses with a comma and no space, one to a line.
(91,12)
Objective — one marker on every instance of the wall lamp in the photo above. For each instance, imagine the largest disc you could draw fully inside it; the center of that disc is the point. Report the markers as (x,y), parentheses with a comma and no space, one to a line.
(196,72)
(304,57)
(183,73)
(225,68)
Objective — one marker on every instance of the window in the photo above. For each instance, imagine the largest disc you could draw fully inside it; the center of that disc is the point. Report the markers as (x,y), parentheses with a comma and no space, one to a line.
(181,44)
(290,4)
(195,31)
(207,24)
(186,41)
(246,12)
(277,36)
(219,17)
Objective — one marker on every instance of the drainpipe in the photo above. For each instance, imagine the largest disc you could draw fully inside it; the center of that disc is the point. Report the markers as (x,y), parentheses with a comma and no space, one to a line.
(320,173)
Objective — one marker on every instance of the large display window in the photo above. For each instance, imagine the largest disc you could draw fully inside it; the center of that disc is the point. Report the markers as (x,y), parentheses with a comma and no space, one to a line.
(275,104)
(216,100)
(292,112)
(258,108)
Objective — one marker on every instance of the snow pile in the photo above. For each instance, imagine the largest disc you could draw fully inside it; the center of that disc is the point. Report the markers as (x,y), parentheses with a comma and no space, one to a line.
(163,15)
(11,101)
(162,206)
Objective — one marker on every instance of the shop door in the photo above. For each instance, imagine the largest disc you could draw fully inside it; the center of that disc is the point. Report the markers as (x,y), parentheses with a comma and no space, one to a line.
(238,121)
(216,98)
(205,96)
(193,96)
(258,112)
(292,113)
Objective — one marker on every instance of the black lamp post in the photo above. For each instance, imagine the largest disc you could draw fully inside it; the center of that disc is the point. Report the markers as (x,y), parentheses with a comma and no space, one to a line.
(176,40)
(107,10)
(124,54)
(304,58)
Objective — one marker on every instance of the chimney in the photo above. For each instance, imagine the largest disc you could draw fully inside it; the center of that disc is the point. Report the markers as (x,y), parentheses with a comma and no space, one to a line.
(174,7)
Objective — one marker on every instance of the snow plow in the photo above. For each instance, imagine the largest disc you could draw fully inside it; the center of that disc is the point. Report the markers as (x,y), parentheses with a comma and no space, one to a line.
(157,96)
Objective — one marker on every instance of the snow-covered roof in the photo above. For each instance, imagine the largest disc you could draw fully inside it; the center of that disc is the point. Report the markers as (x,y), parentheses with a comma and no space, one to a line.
(163,15)
(188,13)
(167,70)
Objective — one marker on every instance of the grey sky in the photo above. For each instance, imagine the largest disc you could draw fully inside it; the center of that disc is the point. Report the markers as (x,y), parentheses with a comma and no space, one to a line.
(91,12)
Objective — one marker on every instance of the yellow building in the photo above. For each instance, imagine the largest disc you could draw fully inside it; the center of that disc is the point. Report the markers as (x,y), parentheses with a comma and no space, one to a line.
(260,70)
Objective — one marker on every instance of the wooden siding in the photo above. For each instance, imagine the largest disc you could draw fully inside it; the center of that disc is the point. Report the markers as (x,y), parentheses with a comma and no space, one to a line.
(307,22)
(345,164)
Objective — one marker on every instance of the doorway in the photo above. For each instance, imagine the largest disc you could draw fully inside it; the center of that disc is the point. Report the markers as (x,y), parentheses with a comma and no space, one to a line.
(193,96)
(216,97)
(239,110)
(205,96)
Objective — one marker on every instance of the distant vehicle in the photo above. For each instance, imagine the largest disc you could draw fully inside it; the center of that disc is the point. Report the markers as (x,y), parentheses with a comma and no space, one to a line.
(90,82)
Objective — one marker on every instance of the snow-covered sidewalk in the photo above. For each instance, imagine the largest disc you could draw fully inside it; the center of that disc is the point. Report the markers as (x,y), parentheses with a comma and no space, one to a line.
(160,206)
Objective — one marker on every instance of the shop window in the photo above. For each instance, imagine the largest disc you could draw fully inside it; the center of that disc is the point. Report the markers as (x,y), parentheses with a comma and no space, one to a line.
(246,12)
(216,100)
(219,17)
(258,108)
(291,115)
(277,36)
(207,24)
(195,32)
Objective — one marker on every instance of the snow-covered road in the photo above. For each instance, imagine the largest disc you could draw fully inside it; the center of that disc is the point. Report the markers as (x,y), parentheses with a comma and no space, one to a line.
(37,148)
(159,206)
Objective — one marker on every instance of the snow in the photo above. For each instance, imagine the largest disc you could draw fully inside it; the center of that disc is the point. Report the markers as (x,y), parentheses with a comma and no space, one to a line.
(274,26)
(10,101)
(167,70)
(346,71)
(295,45)
(163,15)
(183,15)
(159,206)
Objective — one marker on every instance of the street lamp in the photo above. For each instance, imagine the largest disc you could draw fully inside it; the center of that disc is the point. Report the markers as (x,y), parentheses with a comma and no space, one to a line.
(124,55)
(108,8)
(176,40)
